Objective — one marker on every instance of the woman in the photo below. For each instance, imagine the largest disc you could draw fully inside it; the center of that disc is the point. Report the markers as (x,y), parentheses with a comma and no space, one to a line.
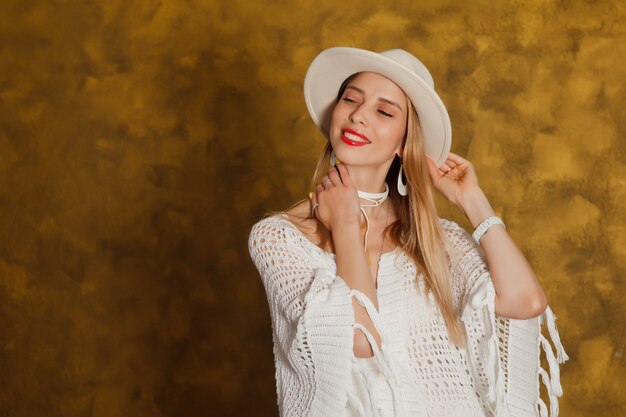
(378,306)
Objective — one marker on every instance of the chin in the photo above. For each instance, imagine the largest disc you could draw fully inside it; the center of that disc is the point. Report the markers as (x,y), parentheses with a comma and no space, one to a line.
(344,156)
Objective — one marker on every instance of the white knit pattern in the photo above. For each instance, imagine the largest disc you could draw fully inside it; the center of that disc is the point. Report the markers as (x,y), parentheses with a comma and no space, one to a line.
(313,326)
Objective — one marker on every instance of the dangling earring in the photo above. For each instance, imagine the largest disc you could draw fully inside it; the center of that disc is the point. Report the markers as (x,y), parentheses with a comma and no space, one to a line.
(401,185)
(333,158)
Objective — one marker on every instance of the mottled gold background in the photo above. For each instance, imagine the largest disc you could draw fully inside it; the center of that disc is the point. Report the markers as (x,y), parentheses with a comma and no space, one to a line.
(139,141)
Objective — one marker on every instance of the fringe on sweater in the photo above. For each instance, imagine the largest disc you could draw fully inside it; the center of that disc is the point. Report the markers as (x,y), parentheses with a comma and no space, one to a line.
(313,327)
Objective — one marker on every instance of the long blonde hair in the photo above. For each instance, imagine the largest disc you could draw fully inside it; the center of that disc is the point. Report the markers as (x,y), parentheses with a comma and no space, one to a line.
(417,230)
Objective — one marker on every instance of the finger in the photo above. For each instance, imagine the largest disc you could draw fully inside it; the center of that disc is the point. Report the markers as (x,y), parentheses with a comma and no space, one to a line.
(345,175)
(334,176)
(446,167)
(319,188)
(326,182)
(313,207)
(451,170)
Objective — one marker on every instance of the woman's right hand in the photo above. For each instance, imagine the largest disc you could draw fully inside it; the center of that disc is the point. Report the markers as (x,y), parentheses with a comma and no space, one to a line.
(335,201)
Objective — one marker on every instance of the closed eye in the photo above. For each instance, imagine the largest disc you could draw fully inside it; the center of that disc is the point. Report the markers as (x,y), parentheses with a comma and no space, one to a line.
(348,100)
(384,113)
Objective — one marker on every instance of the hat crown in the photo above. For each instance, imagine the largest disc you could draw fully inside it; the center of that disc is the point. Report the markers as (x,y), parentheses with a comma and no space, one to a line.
(411,63)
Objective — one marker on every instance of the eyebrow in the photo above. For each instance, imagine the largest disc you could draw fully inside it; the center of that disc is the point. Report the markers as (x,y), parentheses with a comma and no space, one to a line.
(393,103)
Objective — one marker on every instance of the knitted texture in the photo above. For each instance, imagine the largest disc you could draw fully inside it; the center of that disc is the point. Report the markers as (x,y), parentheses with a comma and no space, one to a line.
(313,326)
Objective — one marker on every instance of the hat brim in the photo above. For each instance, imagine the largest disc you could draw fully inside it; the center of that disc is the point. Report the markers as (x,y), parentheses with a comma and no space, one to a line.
(331,67)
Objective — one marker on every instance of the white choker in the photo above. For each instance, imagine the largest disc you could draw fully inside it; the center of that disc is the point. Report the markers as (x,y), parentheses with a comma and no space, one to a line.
(375,198)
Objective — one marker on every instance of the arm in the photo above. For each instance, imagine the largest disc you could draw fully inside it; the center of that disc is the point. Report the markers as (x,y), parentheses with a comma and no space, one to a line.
(519,294)
(339,211)
(352,267)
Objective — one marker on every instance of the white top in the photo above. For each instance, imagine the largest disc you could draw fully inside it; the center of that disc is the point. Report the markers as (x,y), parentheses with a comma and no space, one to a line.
(423,372)
(368,391)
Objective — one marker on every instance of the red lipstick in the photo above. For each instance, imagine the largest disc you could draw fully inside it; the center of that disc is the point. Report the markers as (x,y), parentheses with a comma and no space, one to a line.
(351,140)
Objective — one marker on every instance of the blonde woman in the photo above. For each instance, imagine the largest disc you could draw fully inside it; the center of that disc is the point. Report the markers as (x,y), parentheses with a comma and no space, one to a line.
(378,306)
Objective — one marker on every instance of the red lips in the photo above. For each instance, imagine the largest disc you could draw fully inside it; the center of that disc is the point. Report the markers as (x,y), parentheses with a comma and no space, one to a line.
(353,142)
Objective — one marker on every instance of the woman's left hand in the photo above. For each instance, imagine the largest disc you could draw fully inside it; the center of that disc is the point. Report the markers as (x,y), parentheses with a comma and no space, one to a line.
(456,179)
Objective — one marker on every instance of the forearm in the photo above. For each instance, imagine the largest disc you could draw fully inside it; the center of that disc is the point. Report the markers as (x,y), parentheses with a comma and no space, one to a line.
(353,268)
(351,260)
(518,292)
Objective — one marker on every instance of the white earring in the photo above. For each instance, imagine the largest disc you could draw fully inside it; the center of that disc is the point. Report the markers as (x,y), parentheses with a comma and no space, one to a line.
(401,185)
(333,158)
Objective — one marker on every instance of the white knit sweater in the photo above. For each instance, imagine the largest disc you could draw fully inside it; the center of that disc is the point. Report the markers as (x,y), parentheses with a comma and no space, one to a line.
(313,327)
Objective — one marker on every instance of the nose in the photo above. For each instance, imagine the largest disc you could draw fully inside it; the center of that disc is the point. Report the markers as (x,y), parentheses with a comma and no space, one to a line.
(358,116)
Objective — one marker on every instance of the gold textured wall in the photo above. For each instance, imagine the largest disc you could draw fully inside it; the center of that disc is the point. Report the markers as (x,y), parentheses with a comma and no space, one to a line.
(140,139)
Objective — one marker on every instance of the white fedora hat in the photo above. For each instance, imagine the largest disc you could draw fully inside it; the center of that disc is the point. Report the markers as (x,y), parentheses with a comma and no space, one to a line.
(332,66)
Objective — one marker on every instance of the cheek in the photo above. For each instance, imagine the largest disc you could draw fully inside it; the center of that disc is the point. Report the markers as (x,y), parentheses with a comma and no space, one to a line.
(395,133)
(337,115)
(336,120)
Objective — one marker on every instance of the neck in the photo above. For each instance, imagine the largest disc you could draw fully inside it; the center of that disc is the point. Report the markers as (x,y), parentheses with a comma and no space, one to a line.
(368,179)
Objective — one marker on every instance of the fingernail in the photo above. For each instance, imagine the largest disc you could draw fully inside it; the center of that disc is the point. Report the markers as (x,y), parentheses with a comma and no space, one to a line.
(310,195)
(338,161)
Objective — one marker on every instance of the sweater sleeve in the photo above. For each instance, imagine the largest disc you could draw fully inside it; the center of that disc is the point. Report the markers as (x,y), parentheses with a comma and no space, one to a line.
(469,266)
(504,353)
(312,320)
